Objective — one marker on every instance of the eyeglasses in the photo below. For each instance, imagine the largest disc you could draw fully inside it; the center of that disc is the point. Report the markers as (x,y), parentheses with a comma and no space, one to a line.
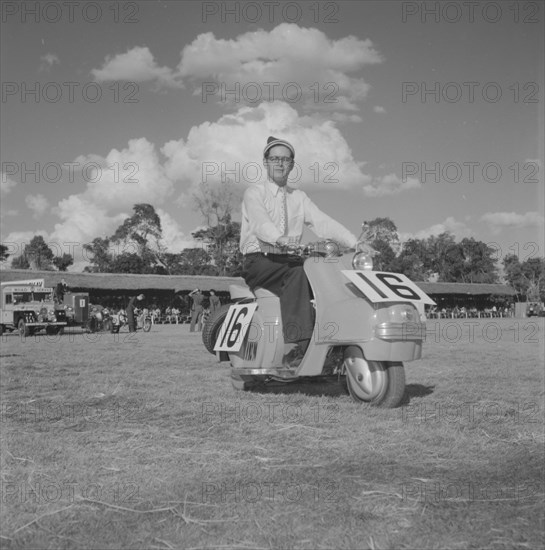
(285,160)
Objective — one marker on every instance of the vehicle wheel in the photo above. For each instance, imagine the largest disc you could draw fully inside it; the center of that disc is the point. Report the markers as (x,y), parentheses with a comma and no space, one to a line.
(212,327)
(378,383)
(23,329)
(245,383)
(147,324)
(1,330)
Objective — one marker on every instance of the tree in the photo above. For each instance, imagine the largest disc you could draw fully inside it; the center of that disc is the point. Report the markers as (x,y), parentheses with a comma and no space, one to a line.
(143,231)
(196,261)
(63,262)
(3,253)
(381,234)
(128,263)
(36,255)
(527,278)
(100,258)
(221,235)
(20,262)
(477,265)
(412,260)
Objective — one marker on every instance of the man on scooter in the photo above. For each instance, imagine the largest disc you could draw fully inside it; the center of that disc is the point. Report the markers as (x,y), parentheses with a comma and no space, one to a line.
(273,217)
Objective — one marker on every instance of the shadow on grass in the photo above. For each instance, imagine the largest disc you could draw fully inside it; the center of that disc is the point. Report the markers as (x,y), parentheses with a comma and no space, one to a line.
(314,386)
(416,390)
(332,387)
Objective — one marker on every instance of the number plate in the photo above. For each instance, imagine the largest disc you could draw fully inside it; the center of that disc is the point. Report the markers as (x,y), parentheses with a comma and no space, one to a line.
(234,327)
(387,287)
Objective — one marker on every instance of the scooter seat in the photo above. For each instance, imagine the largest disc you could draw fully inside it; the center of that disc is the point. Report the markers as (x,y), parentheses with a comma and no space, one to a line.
(239,292)
(264,293)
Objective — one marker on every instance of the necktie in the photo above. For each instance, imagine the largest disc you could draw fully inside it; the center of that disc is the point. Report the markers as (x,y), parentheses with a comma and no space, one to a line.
(284,212)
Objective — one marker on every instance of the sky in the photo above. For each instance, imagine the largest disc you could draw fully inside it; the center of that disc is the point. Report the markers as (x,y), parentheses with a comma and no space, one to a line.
(429,113)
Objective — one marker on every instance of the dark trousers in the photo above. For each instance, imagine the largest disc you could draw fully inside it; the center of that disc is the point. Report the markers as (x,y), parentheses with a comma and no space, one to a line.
(131,321)
(285,277)
(196,319)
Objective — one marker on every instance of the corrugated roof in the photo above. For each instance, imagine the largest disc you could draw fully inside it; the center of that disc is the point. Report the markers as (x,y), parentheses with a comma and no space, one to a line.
(124,281)
(466,288)
(177,283)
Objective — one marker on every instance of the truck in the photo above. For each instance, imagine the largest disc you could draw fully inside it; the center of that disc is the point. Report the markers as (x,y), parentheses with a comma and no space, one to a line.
(28,306)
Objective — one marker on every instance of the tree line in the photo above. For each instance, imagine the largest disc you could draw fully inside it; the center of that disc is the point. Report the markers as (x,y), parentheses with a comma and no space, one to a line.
(438,257)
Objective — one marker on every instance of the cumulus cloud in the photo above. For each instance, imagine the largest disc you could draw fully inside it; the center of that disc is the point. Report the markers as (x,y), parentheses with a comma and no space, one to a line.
(6,184)
(232,148)
(47,61)
(379,109)
(389,184)
(316,66)
(174,239)
(457,228)
(135,65)
(114,184)
(498,220)
(38,204)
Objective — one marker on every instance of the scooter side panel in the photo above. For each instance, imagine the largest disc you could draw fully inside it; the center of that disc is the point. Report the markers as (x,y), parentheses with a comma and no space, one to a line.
(345,316)
(264,343)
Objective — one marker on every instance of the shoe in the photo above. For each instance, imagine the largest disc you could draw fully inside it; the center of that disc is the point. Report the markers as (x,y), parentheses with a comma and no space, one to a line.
(332,362)
(294,357)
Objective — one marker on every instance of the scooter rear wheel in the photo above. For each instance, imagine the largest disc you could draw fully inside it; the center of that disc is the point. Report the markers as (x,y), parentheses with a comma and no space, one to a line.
(378,383)
(212,327)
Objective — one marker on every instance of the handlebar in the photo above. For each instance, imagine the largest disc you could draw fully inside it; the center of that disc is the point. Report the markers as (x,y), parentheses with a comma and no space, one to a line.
(322,248)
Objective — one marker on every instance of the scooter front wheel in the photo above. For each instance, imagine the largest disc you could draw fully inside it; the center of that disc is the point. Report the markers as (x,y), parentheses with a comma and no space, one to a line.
(378,383)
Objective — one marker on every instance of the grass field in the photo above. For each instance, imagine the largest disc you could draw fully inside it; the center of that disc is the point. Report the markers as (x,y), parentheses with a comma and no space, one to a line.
(117,442)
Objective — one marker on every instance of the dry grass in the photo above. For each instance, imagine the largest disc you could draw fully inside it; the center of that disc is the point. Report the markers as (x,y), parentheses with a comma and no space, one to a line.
(142,443)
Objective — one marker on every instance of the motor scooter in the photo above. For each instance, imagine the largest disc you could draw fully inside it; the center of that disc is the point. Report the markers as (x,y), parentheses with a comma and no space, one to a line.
(367,325)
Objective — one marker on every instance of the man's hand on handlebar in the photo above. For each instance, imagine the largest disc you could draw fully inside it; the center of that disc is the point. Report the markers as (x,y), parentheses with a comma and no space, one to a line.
(287,243)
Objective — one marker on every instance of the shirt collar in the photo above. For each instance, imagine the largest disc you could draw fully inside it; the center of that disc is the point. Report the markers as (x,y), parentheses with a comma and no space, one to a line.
(275,189)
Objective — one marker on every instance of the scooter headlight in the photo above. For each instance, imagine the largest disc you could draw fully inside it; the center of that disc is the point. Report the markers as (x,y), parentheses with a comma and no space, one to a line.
(362,260)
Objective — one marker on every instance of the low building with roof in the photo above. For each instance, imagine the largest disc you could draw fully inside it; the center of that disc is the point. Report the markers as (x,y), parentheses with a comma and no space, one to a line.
(115,289)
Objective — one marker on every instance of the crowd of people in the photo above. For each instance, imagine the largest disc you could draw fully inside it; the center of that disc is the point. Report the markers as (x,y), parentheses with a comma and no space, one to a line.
(201,308)
(464,312)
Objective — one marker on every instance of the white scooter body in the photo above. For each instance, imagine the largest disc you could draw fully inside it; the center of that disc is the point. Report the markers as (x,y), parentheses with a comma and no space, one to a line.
(373,317)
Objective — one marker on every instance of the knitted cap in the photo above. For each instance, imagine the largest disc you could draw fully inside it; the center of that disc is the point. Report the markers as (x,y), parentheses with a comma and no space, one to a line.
(272,141)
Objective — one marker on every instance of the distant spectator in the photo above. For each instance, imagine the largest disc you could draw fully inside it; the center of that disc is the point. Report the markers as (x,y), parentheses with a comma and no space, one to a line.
(131,311)
(174,315)
(196,309)
(60,291)
(215,302)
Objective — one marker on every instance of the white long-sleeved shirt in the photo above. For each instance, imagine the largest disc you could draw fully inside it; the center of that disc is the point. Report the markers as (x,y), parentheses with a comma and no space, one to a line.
(260,227)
